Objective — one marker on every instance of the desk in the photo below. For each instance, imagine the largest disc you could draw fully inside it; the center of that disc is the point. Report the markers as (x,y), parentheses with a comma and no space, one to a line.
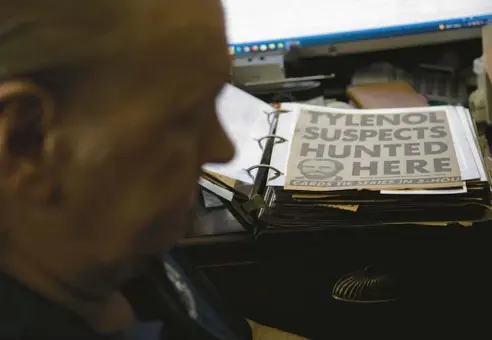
(217,238)
(284,278)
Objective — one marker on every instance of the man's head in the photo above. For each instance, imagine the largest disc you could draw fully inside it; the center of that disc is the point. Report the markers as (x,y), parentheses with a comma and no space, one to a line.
(108,113)
(319,168)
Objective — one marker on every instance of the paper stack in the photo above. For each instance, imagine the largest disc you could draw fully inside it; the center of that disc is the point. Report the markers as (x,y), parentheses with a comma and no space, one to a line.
(371,167)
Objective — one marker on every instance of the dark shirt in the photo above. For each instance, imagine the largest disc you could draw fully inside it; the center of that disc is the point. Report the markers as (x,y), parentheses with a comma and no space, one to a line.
(26,315)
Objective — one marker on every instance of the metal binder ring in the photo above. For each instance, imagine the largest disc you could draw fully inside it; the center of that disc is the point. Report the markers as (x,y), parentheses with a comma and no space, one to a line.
(275,113)
(277,174)
(278,140)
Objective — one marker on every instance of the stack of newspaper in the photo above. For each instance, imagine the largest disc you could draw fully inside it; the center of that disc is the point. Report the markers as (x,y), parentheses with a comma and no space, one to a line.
(370,167)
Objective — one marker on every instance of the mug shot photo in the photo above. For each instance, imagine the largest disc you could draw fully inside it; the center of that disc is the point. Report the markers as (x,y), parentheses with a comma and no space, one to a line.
(320,169)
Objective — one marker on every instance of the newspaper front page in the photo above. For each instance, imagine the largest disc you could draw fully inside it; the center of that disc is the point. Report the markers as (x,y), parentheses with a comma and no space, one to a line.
(342,151)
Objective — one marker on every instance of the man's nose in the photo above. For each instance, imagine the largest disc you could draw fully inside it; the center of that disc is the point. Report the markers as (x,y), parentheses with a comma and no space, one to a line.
(218,146)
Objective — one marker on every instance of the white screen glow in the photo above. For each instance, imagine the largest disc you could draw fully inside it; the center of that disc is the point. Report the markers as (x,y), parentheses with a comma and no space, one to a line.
(262,20)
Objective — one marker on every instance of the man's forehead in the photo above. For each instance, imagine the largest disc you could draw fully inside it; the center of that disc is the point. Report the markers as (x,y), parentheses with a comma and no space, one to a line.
(185,34)
(157,20)
(178,27)
(192,49)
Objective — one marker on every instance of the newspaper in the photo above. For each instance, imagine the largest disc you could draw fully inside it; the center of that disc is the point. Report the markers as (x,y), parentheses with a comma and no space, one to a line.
(374,151)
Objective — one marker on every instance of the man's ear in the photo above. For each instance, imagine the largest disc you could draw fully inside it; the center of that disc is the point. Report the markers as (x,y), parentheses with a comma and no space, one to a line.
(26,115)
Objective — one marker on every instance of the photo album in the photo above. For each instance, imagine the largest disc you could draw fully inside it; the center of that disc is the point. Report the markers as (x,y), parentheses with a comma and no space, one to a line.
(306,166)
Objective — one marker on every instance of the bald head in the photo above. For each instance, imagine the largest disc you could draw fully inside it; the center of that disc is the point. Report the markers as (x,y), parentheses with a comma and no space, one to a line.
(115,155)
(40,34)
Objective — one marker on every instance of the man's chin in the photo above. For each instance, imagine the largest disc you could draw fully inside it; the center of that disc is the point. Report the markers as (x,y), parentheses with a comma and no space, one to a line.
(105,281)
(160,236)
(164,231)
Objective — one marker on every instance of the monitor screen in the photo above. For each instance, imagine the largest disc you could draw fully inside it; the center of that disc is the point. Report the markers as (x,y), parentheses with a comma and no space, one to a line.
(271,25)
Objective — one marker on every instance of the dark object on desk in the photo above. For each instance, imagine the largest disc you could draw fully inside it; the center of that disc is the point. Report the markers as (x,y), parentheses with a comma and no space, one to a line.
(213,216)
(288,90)
(396,94)
(371,285)
(210,201)
(440,85)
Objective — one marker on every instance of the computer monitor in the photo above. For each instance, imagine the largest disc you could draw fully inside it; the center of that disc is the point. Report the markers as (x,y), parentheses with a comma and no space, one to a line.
(327,27)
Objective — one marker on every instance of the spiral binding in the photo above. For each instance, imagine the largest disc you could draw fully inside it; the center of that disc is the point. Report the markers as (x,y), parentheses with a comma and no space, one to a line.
(276,175)
(278,140)
(271,115)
